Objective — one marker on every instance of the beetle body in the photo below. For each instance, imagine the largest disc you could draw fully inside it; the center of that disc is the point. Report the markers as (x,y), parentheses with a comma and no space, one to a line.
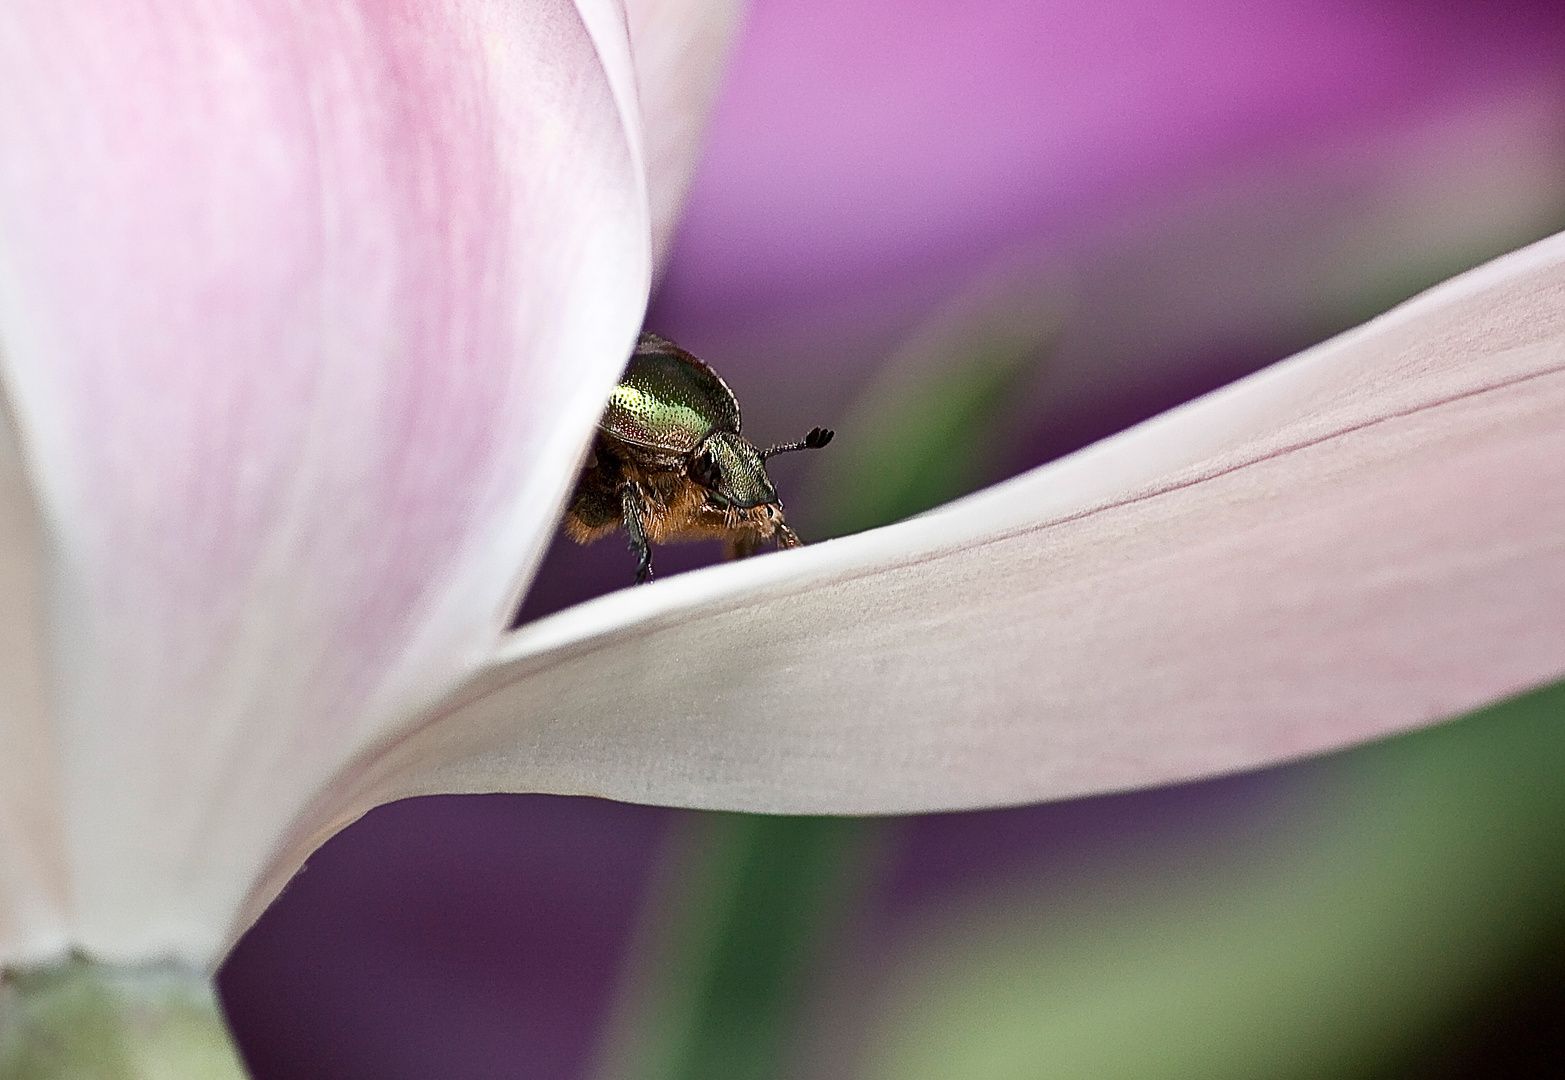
(669,463)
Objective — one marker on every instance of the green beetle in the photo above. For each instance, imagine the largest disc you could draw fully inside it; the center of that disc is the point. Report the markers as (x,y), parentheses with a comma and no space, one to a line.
(669,463)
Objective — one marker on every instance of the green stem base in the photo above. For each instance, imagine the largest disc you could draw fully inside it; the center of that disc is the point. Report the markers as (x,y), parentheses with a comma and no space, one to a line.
(79,1020)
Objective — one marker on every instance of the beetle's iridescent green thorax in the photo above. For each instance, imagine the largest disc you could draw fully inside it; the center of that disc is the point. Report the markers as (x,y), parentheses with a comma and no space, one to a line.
(738,473)
(669,463)
(668,400)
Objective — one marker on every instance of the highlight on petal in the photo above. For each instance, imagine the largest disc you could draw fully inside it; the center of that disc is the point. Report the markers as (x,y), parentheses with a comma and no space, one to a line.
(664,60)
(305,311)
(681,48)
(1366,538)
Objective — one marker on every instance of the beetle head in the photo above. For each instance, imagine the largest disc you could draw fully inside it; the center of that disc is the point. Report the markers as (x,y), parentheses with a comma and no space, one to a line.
(733,469)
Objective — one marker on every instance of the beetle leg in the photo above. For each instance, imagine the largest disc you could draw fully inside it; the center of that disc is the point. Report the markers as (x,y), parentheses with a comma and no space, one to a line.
(743,546)
(595,504)
(632,507)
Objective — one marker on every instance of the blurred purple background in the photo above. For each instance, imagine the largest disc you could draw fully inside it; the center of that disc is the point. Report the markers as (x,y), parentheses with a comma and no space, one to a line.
(482,936)
(1203,185)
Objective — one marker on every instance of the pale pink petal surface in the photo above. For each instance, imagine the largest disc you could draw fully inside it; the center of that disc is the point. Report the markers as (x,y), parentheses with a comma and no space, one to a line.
(304,313)
(665,60)
(681,49)
(1358,541)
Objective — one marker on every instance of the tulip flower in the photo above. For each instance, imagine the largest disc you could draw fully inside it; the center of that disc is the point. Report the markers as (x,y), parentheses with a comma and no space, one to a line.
(306,315)
(306,318)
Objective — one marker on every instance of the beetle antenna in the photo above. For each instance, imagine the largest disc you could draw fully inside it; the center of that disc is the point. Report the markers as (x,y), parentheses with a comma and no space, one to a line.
(817,438)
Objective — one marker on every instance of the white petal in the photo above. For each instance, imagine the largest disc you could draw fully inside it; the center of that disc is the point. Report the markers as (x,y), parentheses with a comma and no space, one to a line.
(306,311)
(1363,539)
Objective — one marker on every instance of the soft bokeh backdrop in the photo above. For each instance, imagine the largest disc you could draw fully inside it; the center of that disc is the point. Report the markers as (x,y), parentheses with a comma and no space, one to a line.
(974,237)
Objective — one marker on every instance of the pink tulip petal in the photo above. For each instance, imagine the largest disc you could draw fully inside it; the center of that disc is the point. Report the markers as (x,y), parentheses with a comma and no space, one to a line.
(306,311)
(665,60)
(1364,539)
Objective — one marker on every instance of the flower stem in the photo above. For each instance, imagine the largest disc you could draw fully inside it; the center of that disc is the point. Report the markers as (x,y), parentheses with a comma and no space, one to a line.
(746,906)
(87,1021)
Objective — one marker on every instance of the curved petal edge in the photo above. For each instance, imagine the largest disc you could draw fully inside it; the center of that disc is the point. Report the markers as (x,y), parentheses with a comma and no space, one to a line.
(1361,540)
